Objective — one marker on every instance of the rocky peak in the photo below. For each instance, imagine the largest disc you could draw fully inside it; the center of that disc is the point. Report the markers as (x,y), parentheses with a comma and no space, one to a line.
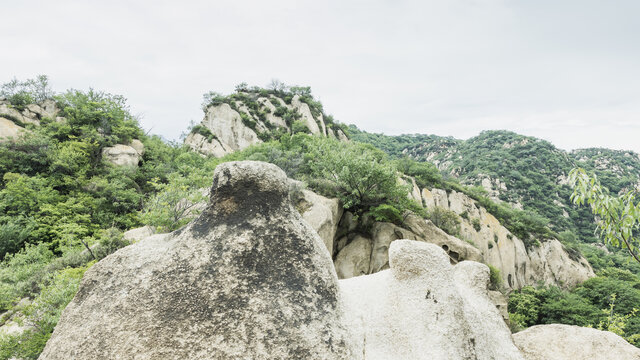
(249,117)
(13,120)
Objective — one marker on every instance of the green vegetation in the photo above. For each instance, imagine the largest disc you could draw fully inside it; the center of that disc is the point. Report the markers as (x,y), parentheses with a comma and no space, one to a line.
(495,279)
(446,220)
(618,217)
(535,173)
(204,131)
(608,301)
(22,93)
(62,208)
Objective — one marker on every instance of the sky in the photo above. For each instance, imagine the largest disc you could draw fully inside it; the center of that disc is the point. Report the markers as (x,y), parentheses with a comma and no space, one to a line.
(566,71)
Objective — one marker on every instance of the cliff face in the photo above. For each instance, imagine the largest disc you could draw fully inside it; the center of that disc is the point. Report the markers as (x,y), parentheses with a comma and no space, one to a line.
(246,118)
(485,240)
(545,261)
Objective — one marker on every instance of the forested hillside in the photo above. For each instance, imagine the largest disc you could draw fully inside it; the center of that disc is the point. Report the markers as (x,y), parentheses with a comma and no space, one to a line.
(72,183)
(531,174)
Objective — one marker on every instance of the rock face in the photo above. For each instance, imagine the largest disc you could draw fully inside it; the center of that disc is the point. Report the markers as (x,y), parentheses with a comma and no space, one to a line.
(519,266)
(425,308)
(138,234)
(374,257)
(565,342)
(248,278)
(9,129)
(32,113)
(321,213)
(238,127)
(124,155)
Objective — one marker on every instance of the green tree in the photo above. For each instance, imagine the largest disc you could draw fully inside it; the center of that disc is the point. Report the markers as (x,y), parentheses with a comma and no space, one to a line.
(618,217)
(356,173)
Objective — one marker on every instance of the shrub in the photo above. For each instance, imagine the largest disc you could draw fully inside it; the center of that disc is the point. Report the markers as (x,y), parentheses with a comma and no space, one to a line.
(204,131)
(446,220)
(386,213)
(299,127)
(476,224)
(495,280)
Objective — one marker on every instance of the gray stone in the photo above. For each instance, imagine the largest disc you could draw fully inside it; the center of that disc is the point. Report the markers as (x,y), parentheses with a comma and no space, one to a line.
(121,155)
(9,130)
(569,342)
(247,279)
(354,259)
(424,308)
(137,234)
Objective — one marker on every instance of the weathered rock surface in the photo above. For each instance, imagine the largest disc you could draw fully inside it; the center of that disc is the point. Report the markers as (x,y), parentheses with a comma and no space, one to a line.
(247,279)
(307,117)
(425,308)
(137,234)
(205,146)
(232,134)
(321,213)
(9,129)
(354,259)
(32,113)
(568,342)
(121,155)
(519,266)
(383,234)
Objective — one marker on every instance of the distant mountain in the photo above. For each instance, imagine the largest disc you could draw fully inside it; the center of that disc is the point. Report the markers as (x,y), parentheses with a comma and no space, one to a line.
(527,172)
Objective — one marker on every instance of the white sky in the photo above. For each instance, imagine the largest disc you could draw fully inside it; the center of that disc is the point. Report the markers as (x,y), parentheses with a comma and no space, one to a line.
(567,71)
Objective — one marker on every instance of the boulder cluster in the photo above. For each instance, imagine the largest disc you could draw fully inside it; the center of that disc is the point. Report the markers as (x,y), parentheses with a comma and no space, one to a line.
(251,279)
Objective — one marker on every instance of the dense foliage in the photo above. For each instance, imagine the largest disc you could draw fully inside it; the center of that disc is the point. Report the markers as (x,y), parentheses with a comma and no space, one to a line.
(62,206)
(618,217)
(609,302)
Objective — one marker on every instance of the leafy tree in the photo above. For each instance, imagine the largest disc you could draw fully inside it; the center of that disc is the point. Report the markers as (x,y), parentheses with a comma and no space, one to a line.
(22,93)
(446,220)
(358,174)
(618,217)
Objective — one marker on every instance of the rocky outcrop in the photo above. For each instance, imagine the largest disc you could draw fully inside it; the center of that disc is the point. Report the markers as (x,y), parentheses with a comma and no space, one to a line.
(564,342)
(124,155)
(425,308)
(9,130)
(137,234)
(32,113)
(233,125)
(321,213)
(519,266)
(370,253)
(248,278)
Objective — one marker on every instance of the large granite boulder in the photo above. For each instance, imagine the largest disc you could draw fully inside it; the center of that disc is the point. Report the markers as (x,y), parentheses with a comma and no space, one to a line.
(9,130)
(425,308)
(569,342)
(247,279)
(124,155)
(323,214)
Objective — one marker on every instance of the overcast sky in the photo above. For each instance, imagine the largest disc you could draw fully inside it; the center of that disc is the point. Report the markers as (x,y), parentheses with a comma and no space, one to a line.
(567,71)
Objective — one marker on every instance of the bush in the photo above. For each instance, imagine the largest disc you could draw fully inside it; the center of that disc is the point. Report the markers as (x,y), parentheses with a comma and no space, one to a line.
(495,280)
(446,220)
(386,213)
(476,224)
(22,93)
(204,131)
(299,127)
